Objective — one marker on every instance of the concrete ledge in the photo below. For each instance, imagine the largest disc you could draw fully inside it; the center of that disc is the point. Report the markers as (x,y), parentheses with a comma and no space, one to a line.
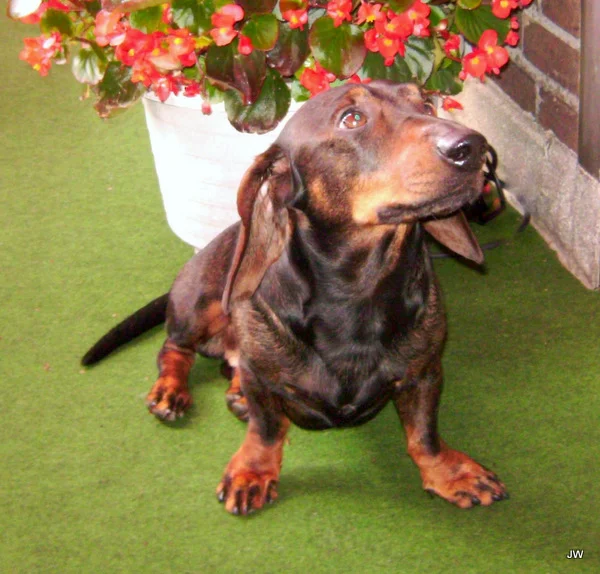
(543,177)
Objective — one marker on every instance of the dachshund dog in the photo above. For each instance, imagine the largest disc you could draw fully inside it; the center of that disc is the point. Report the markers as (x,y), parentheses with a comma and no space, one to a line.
(322,300)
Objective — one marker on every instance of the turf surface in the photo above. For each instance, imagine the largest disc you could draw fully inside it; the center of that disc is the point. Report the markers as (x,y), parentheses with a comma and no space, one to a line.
(91,483)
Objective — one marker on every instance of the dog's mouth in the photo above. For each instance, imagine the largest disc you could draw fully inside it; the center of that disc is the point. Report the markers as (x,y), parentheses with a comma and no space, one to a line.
(440,206)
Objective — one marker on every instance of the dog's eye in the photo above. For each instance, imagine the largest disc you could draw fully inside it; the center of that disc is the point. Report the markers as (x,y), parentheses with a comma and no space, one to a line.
(429,108)
(352,120)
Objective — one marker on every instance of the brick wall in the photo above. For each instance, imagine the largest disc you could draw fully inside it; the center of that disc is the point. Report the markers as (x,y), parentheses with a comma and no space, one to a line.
(543,76)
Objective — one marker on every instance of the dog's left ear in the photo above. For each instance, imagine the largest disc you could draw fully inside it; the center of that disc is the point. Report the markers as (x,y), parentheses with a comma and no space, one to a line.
(454,232)
(265,190)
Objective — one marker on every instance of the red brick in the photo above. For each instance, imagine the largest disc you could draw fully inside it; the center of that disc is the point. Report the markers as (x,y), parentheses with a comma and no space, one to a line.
(552,56)
(518,85)
(561,118)
(565,13)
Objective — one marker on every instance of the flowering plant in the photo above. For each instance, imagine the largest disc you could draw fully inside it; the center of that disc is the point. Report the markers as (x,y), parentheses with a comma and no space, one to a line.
(257,54)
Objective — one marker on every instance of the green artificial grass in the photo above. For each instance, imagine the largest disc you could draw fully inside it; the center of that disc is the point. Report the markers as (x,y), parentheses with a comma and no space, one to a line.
(90,482)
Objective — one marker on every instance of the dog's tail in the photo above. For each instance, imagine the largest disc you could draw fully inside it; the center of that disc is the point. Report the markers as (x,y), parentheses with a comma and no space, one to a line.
(144,319)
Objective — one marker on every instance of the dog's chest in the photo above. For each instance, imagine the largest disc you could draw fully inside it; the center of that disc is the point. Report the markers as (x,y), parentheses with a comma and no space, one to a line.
(335,363)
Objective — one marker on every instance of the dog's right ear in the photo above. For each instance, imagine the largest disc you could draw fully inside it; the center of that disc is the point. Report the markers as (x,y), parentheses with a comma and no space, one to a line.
(265,190)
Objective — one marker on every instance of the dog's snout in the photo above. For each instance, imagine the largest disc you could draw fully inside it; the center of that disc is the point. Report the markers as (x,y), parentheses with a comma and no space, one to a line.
(465,151)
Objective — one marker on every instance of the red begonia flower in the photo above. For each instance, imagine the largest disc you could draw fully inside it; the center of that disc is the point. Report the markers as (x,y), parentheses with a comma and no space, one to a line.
(388,48)
(339,11)
(503,8)
(496,56)
(474,64)
(451,104)
(223,21)
(399,27)
(108,28)
(181,42)
(512,38)
(418,13)
(245,45)
(356,79)
(236,12)
(223,36)
(452,47)
(296,18)
(329,76)
(191,87)
(371,40)
(369,13)
(167,14)
(57,5)
(143,72)
(164,86)
(38,52)
(134,46)
(162,59)
(314,81)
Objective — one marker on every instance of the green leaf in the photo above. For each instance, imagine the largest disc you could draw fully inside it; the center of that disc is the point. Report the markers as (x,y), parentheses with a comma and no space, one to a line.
(193,15)
(445,80)
(374,68)
(263,30)
(228,69)
(219,66)
(420,57)
(56,20)
(213,94)
(116,91)
(87,67)
(249,72)
(147,20)
(299,92)
(436,15)
(472,23)
(339,50)
(399,6)
(257,6)
(469,4)
(266,112)
(93,7)
(290,51)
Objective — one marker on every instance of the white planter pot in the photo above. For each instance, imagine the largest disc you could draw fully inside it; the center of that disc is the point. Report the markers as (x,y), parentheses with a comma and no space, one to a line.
(199,162)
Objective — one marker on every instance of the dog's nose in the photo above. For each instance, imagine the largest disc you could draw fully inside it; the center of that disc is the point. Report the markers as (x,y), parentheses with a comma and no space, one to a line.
(462,150)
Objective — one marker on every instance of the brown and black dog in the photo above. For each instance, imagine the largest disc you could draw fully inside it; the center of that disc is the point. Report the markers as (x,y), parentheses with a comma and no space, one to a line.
(322,300)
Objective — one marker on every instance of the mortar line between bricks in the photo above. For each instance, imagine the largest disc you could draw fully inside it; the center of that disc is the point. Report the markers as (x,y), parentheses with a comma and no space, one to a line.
(542,79)
(535,15)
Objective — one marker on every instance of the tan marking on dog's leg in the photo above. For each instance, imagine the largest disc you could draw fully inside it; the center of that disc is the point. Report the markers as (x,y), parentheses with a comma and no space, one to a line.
(169,397)
(455,476)
(250,478)
(235,399)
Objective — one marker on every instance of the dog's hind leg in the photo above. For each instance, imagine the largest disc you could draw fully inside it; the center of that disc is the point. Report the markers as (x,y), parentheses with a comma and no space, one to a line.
(234,396)
(446,472)
(169,398)
(198,328)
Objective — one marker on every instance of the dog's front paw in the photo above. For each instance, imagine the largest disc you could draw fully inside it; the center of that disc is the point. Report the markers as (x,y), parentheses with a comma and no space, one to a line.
(168,399)
(246,490)
(459,479)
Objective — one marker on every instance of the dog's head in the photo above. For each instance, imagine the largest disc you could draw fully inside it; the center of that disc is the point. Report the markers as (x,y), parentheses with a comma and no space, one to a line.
(359,155)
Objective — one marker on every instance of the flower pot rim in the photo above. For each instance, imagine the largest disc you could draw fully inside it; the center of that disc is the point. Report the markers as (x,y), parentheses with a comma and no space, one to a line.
(195,102)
